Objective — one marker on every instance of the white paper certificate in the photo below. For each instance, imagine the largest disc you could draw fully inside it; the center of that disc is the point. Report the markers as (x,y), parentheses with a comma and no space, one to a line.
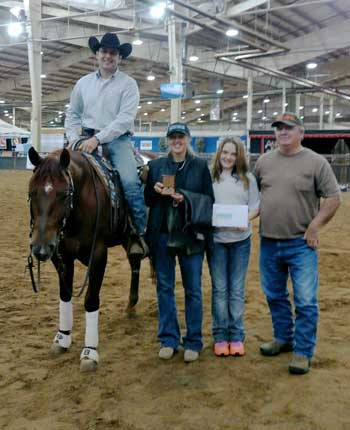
(230,215)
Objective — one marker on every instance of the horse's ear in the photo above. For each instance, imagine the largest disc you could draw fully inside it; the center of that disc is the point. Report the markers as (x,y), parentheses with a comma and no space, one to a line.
(34,156)
(64,158)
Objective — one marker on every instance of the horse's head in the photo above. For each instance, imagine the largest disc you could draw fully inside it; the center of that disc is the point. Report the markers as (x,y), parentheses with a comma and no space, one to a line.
(50,194)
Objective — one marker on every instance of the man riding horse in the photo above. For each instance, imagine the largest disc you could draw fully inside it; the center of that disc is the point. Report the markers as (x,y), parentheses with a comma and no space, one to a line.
(103,106)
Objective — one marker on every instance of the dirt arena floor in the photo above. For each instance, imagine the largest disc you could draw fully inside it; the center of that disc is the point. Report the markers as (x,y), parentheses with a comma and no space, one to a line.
(133,389)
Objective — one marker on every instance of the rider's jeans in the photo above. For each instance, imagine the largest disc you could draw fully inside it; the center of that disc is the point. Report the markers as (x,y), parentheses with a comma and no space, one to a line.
(121,156)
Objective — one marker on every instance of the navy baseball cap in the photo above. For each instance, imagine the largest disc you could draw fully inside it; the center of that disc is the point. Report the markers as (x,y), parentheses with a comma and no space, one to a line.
(178,127)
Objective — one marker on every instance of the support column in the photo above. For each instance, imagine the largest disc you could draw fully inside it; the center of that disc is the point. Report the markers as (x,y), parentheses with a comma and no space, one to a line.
(331,113)
(321,111)
(175,64)
(249,108)
(297,104)
(284,97)
(33,14)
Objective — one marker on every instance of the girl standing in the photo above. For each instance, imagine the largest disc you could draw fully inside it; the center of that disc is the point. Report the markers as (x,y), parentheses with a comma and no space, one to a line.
(230,251)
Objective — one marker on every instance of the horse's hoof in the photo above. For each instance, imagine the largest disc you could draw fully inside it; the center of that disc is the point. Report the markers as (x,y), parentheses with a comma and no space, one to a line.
(87,365)
(58,349)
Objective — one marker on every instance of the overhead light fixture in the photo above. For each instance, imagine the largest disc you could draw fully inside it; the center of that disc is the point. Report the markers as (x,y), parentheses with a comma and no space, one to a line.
(193,58)
(162,110)
(137,41)
(16,11)
(232,32)
(151,77)
(146,113)
(235,113)
(183,113)
(67,105)
(275,113)
(2,101)
(198,109)
(182,117)
(302,117)
(264,118)
(149,103)
(314,110)
(338,114)
(43,75)
(327,112)
(311,66)
(138,107)
(286,104)
(245,96)
(267,100)
(219,91)
(15,29)
(197,101)
(260,111)
(158,10)
(301,107)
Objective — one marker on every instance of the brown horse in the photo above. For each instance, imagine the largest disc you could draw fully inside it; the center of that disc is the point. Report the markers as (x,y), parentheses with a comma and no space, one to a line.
(71,219)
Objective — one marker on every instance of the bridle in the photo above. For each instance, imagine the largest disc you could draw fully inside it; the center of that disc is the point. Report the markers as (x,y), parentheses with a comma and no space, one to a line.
(69,202)
(61,269)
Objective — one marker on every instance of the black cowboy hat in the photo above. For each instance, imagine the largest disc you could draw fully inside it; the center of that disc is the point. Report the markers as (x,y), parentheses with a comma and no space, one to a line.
(110,40)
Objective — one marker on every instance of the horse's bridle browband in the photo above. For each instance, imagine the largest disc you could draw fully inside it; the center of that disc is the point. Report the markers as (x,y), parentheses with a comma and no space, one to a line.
(60,234)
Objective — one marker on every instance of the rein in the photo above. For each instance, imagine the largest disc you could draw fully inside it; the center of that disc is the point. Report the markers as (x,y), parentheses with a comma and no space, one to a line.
(82,288)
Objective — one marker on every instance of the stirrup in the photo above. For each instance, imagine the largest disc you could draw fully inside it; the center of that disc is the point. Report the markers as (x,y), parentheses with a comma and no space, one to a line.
(138,247)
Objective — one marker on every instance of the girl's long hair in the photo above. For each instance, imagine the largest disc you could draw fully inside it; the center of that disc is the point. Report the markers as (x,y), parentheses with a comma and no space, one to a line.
(240,168)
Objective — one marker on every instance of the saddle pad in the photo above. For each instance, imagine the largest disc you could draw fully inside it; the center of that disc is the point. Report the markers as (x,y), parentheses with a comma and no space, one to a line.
(106,174)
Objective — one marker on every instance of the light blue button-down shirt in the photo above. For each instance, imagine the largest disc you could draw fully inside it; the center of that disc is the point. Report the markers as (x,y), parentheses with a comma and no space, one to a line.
(108,105)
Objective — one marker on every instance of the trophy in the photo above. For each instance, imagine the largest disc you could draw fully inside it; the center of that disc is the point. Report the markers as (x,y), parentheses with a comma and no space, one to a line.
(169,184)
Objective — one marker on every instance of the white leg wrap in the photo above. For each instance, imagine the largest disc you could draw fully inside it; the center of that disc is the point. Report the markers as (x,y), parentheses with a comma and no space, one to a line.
(89,354)
(63,340)
(66,316)
(91,330)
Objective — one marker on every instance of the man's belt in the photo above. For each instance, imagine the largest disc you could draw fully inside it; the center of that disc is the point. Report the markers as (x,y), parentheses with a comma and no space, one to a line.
(89,132)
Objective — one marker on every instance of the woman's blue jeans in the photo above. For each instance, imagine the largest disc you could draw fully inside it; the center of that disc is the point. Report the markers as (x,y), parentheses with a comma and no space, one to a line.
(228,263)
(191,273)
(121,156)
(278,259)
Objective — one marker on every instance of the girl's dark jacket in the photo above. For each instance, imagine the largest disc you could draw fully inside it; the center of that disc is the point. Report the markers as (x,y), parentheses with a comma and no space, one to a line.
(188,223)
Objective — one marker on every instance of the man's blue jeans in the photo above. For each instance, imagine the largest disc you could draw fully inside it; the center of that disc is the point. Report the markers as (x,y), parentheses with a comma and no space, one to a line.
(121,156)
(228,265)
(191,273)
(278,258)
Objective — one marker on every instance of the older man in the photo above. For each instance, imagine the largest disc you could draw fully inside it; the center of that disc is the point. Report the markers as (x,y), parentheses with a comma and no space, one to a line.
(292,180)
(103,106)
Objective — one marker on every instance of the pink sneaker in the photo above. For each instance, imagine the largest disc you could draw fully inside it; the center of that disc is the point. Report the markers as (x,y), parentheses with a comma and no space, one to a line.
(221,349)
(237,349)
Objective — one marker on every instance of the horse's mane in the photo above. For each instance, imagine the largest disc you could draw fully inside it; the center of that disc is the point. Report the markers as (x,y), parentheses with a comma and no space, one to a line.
(49,167)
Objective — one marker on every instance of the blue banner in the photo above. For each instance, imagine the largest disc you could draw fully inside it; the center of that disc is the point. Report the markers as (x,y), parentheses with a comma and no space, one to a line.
(171,91)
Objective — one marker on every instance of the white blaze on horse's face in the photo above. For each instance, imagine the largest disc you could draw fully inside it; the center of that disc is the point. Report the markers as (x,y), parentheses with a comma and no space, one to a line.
(48,187)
